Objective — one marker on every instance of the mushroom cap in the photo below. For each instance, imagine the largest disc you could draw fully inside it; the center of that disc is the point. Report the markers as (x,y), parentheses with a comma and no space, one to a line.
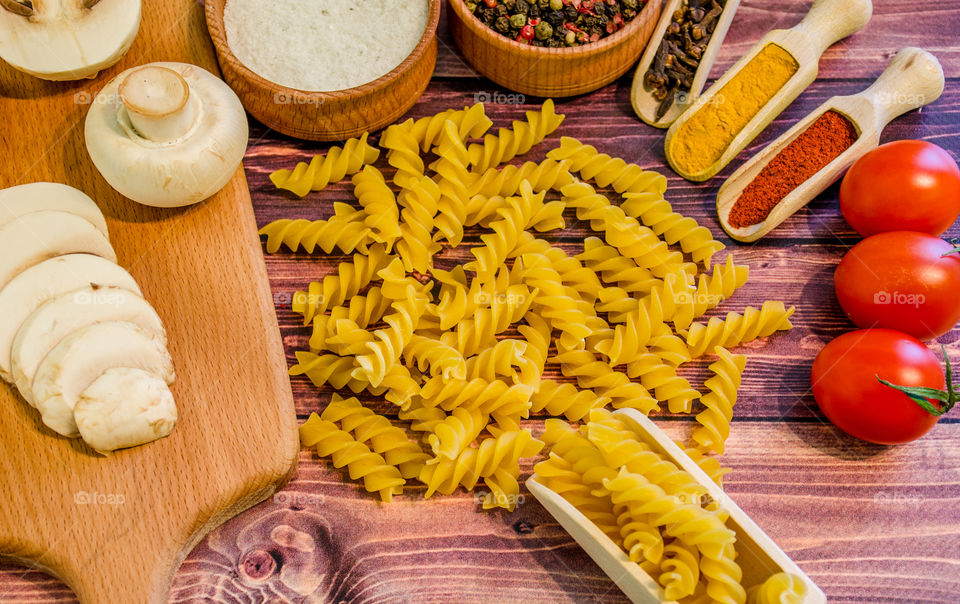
(35,196)
(83,356)
(65,41)
(37,236)
(58,317)
(180,172)
(47,280)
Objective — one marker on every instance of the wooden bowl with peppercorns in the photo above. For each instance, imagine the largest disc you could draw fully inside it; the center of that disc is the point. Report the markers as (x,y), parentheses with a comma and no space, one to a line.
(553,48)
(328,115)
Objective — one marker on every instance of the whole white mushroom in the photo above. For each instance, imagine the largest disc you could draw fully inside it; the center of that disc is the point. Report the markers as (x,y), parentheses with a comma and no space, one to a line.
(166,134)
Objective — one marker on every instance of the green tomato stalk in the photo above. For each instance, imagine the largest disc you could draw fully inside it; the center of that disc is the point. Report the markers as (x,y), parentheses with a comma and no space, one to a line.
(922,396)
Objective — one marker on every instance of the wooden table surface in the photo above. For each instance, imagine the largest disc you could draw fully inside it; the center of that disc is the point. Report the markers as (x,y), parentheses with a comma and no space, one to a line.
(867,523)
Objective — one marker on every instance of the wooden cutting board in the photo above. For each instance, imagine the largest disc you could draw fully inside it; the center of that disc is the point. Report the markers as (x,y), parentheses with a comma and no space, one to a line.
(116,529)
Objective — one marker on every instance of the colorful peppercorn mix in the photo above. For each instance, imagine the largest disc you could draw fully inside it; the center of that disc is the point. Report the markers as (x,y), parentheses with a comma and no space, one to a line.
(555,23)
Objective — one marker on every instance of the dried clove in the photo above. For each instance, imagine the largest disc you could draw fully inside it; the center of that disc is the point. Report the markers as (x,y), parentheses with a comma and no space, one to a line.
(675,64)
(24,8)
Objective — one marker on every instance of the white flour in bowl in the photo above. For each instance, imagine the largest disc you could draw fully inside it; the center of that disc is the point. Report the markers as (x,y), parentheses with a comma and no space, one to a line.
(323,45)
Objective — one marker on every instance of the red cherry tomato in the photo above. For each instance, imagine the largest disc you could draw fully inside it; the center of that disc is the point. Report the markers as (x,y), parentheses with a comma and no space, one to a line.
(901,281)
(902,186)
(846,388)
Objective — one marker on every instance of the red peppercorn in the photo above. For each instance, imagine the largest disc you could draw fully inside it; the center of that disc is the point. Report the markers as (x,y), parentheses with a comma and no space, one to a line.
(533,22)
(526,32)
(490,3)
(594,37)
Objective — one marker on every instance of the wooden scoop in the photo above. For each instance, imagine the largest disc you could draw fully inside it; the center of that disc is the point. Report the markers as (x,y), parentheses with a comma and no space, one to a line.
(827,22)
(759,556)
(913,79)
(641,95)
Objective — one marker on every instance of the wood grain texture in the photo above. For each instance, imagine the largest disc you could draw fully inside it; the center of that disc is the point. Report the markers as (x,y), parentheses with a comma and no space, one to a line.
(116,528)
(328,116)
(867,523)
(553,72)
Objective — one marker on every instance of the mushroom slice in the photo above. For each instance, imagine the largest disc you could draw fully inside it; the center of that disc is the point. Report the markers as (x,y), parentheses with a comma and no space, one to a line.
(166,134)
(82,357)
(125,407)
(37,236)
(49,279)
(57,318)
(37,196)
(66,39)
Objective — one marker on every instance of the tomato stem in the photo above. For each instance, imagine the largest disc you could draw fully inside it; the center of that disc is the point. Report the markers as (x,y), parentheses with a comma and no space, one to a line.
(953,251)
(922,396)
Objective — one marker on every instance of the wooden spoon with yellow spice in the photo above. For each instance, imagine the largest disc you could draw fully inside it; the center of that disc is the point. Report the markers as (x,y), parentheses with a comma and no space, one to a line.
(799,165)
(709,134)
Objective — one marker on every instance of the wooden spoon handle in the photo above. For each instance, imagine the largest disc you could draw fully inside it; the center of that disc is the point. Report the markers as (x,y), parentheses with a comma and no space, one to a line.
(913,79)
(830,21)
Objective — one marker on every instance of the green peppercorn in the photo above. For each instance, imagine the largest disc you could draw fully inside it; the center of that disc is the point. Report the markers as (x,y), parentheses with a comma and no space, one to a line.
(543,30)
(570,38)
(556,4)
(472,7)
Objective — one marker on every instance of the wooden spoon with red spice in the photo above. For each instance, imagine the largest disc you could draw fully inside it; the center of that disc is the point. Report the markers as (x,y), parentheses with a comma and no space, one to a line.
(813,154)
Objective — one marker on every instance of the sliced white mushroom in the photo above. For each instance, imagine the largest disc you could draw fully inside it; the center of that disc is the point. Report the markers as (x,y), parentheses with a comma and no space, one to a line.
(37,236)
(166,134)
(57,318)
(49,279)
(37,196)
(82,357)
(66,39)
(125,407)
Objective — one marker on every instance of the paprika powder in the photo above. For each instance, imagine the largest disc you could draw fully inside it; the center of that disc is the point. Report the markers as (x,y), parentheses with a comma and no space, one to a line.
(822,142)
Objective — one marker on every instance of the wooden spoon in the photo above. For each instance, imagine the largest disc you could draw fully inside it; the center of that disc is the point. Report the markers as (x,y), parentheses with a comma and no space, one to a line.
(641,95)
(759,556)
(913,79)
(827,22)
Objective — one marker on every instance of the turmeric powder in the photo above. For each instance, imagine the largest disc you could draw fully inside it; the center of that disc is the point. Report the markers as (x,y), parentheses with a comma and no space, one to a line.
(703,138)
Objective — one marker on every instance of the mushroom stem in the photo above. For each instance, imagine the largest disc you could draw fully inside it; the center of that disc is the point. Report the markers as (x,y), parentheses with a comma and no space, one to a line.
(157,100)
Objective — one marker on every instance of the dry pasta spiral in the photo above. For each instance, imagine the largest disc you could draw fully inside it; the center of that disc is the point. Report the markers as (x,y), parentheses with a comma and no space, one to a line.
(681,570)
(403,153)
(607,171)
(605,381)
(505,182)
(781,588)
(565,399)
(389,343)
(509,143)
(347,235)
(334,290)
(378,432)
(737,329)
(362,464)
(363,310)
(322,170)
(655,212)
(330,369)
(379,203)
(440,359)
(662,379)
(615,268)
(470,122)
(416,247)
(454,183)
(723,576)
(449,438)
(719,401)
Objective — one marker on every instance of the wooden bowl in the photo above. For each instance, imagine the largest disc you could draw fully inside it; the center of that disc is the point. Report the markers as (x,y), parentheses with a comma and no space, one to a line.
(328,116)
(551,72)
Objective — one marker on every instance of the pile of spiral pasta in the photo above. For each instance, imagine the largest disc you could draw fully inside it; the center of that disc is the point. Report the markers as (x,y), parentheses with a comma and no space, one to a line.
(522,329)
